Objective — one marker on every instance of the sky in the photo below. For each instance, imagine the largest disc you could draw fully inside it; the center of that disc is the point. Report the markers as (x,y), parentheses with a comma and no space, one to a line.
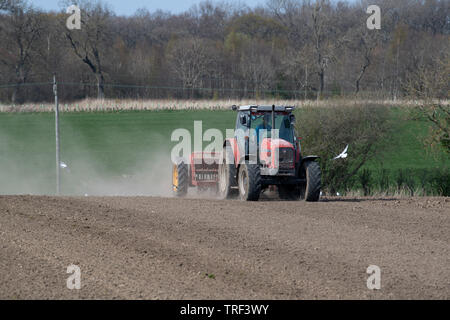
(129,7)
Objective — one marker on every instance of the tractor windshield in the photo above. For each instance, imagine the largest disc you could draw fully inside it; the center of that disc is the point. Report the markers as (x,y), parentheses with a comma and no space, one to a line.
(263,120)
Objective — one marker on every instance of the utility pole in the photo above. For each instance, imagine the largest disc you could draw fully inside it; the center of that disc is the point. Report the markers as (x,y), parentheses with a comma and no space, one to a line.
(58,162)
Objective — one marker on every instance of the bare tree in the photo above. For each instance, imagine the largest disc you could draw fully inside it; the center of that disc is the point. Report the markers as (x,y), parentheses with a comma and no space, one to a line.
(20,30)
(296,65)
(189,60)
(362,42)
(257,67)
(322,39)
(430,86)
(293,15)
(6,4)
(93,40)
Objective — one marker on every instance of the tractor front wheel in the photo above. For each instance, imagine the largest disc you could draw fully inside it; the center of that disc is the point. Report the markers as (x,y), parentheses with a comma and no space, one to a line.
(313,181)
(249,181)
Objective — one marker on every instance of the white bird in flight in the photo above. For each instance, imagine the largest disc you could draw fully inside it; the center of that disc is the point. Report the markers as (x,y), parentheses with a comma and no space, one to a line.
(64,166)
(343,154)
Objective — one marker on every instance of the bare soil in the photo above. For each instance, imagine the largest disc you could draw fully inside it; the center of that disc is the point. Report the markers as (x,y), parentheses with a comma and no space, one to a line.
(166,248)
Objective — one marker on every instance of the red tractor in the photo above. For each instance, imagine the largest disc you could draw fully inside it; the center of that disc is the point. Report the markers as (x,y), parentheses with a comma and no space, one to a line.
(264,152)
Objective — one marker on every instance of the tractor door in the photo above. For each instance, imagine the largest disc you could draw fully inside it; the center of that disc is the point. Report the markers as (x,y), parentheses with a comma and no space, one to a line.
(242,131)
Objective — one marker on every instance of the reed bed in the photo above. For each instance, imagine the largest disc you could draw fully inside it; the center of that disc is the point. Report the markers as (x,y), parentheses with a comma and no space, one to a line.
(111,105)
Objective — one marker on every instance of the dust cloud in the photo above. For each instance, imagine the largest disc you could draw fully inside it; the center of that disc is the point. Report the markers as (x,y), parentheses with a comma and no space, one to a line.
(150,176)
(28,164)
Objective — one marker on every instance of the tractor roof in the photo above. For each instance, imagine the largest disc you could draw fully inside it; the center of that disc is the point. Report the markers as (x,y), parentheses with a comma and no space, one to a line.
(256,108)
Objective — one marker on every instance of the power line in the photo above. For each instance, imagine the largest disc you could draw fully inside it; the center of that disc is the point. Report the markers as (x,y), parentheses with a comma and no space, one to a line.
(27,84)
(132,86)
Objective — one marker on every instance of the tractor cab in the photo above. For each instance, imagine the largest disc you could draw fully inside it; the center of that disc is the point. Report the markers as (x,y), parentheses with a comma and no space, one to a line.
(266,134)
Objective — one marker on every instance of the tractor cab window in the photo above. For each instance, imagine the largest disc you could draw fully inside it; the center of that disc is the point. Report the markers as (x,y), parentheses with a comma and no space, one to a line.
(241,121)
(261,120)
(282,123)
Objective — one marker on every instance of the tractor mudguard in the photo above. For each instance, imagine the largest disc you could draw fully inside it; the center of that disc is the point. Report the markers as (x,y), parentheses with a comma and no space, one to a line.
(309,158)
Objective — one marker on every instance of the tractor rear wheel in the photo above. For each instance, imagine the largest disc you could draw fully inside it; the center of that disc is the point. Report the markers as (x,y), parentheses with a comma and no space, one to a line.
(289,192)
(180,178)
(313,181)
(249,181)
(227,175)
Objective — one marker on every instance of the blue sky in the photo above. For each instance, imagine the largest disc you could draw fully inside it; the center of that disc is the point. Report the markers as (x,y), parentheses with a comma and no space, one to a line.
(128,7)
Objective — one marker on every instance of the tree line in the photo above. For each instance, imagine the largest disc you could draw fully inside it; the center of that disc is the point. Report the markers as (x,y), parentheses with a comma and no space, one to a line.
(291,49)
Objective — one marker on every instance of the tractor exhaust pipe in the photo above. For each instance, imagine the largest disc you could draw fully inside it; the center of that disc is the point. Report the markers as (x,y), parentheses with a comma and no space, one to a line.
(273,120)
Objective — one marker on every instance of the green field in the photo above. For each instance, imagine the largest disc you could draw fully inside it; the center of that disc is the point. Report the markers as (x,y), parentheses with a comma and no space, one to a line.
(405,154)
(112,144)
(406,148)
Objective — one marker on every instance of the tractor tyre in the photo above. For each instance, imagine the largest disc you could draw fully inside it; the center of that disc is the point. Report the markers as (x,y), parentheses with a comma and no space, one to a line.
(180,178)
(313,181)
(249,181)
(289,192)
(226,175)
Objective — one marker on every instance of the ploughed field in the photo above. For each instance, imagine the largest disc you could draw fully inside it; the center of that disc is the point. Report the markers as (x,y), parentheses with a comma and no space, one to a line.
(168,248)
